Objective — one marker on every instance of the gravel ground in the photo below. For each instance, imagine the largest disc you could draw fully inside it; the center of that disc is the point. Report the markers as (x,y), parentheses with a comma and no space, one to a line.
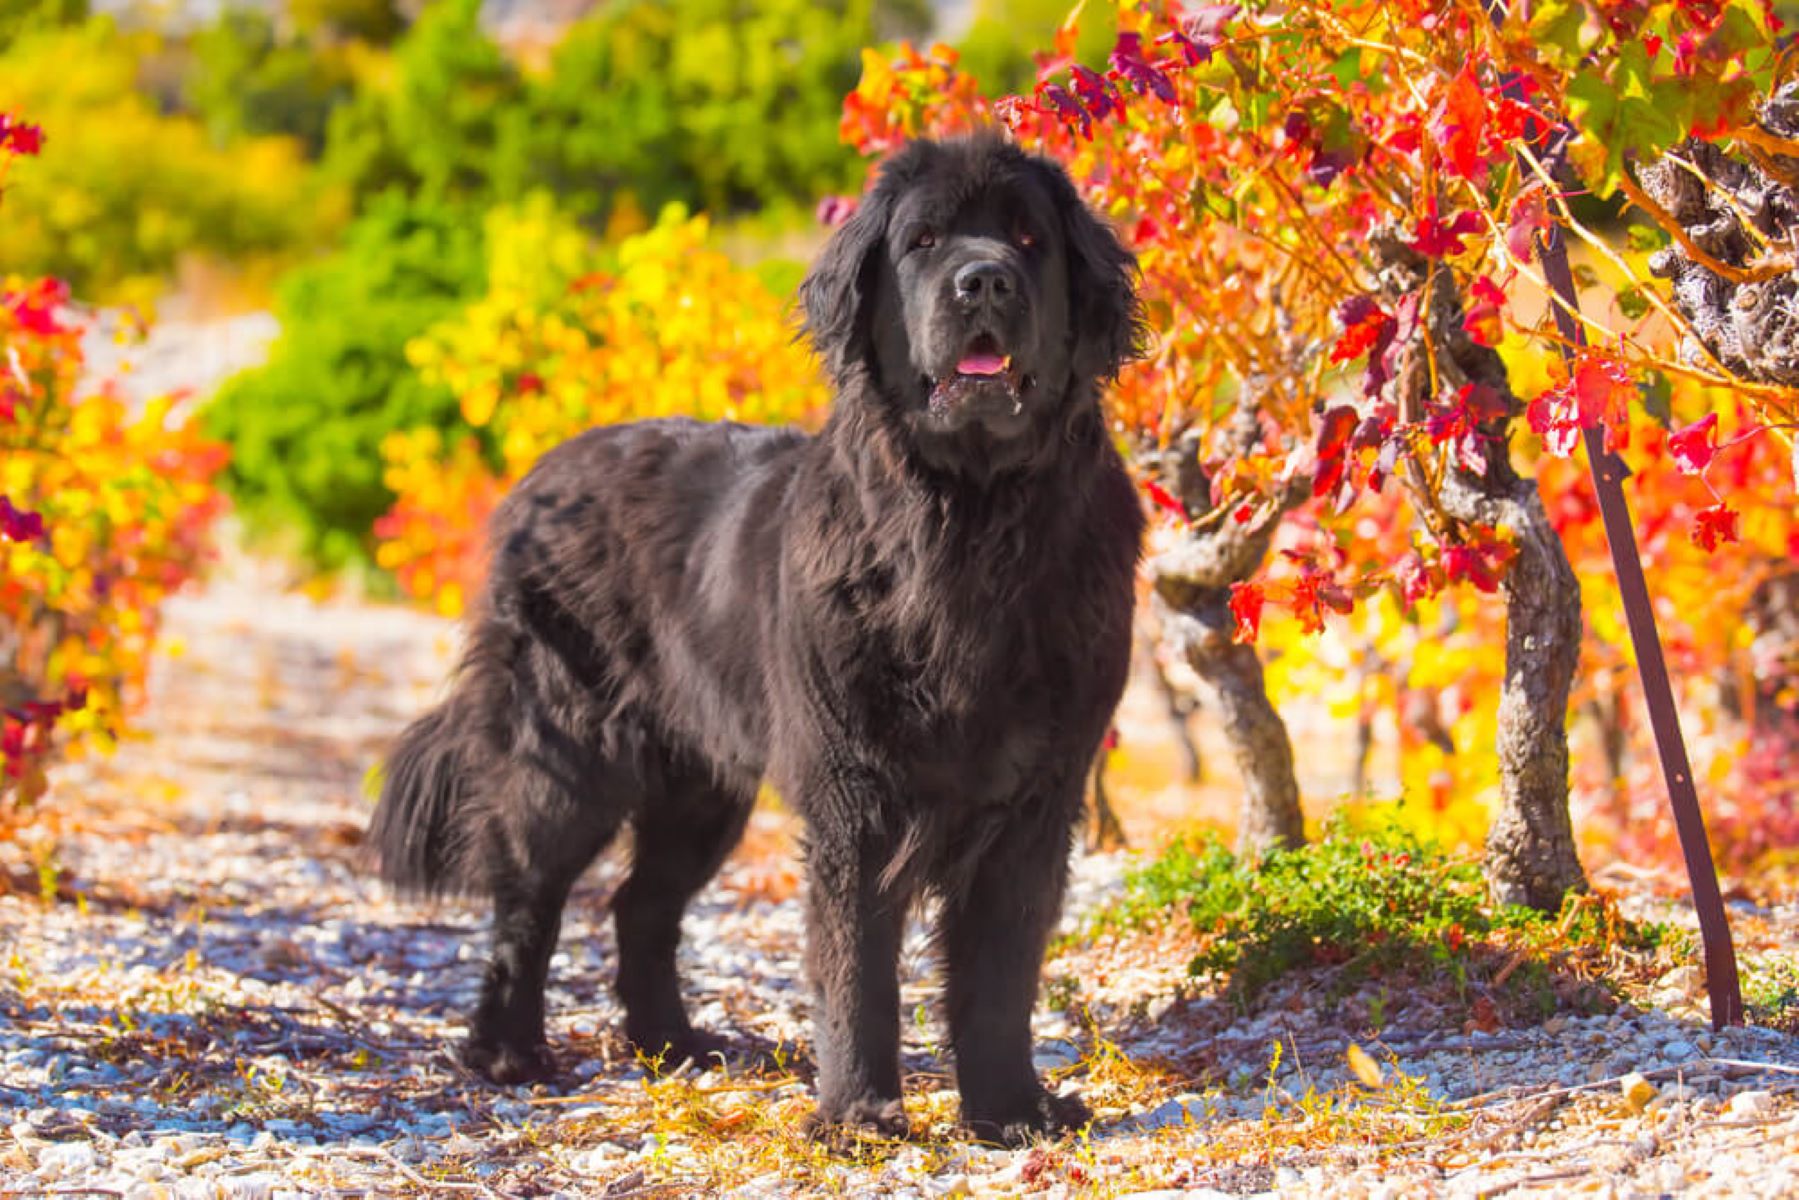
(218,1002)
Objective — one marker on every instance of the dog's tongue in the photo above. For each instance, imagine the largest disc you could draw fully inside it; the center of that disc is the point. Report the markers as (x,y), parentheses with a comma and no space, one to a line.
(981,364)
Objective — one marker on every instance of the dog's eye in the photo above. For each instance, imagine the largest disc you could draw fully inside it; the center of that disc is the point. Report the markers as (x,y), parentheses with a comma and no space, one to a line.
(1025,238)
(924,239)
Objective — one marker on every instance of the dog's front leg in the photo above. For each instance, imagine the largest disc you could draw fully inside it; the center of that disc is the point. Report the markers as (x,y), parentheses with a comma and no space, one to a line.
(994,929)
(853,937)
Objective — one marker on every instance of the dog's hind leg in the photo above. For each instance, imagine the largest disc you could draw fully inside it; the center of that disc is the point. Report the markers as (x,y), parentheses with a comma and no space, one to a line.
(541,842)
(683,831)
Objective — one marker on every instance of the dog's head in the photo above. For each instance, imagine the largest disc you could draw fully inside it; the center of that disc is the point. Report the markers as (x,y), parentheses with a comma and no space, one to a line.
(978,295)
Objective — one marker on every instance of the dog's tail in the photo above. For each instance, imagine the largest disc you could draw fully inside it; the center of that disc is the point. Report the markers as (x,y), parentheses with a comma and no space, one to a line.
(422,828)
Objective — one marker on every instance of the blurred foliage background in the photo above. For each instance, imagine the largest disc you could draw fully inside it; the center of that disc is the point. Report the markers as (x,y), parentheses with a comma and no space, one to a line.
(336,160)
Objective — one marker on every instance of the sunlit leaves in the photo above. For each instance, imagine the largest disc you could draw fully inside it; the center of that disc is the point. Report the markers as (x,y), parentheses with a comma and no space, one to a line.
(1484,306)
(1366,326)
(571,335)
(1597,392)
(1333,448)
(19,137)
(1439,237)
(1714,526)
(1462,124)
(1692,447)
(1252,202)
(1246,608)
(104,512)
(18,525)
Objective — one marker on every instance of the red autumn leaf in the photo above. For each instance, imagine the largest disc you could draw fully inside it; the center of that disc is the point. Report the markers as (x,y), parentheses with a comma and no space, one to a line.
(1511,119)
(1482,320)
(1332,448)
(1246,606)
(1065,106)
(1334,431)
(1693,447)
(1127,60)
(1714,526)
(1555,421)
(1596,393)
(1313,592)
(1438,238)
(1416,581)
(35,307)
(1483,566)
(833,211)
(1356,309)
(1530,217)
(19,525)
(1360,337)
(1163,499)
(1205,23)
(1461,125)
(1096,92)
(1383,356)
(20,137)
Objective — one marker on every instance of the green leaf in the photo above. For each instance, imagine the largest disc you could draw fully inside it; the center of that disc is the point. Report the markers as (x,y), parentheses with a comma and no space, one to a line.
(1566,26)
(1658,398)
(1592,104)
(1739,29)
(1632,303)
(1645,239)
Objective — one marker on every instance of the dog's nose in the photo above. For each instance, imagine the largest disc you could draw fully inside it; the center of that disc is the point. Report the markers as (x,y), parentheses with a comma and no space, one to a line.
(984,280)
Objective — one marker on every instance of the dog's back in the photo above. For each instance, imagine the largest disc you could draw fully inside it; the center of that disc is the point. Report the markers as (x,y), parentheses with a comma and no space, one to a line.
(609,633)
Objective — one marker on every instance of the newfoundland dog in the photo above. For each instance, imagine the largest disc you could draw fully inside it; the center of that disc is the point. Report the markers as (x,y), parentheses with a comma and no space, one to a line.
(915,625)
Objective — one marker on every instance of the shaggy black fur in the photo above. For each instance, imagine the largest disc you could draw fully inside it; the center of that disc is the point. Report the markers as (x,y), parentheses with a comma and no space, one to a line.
(915,625)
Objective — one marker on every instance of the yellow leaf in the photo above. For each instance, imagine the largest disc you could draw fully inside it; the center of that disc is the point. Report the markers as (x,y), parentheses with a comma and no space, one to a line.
(1365,1068)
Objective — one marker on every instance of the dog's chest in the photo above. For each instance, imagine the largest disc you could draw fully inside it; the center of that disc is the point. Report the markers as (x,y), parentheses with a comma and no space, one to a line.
(983,681)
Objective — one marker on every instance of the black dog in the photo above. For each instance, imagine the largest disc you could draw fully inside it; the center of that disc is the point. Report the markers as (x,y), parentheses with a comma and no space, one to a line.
(915,625)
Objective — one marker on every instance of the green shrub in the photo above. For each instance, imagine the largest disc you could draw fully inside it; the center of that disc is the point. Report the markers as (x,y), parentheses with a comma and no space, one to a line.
(723,105)
(19,17)
(306,428)
(727,105)
(447,122)
(246,80)
(1347,897)
(1377,898)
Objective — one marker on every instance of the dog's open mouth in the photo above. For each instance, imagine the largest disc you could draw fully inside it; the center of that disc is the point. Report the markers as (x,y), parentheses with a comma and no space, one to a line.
(984,370)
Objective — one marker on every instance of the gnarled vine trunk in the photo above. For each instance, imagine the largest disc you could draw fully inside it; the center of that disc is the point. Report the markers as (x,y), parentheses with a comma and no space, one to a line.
(1744,215)
(1192,593)
(1530,853)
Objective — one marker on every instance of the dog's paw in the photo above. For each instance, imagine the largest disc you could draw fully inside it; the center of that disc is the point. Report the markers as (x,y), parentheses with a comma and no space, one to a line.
(860,1118)
(1047,1114)
(507,1064)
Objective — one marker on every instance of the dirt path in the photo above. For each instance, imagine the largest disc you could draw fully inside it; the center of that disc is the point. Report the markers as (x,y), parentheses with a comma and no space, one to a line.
(221,1003)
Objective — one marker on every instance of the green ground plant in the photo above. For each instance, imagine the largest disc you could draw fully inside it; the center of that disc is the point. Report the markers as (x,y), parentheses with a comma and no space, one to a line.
(1369,898)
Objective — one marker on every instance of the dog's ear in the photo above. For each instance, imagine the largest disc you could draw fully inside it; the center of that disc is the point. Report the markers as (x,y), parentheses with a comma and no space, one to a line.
(837,291)
(1106,315)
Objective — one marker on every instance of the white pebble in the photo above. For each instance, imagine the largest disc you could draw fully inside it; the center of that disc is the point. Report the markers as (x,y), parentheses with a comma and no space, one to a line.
(70,1158)
(1751,1104)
